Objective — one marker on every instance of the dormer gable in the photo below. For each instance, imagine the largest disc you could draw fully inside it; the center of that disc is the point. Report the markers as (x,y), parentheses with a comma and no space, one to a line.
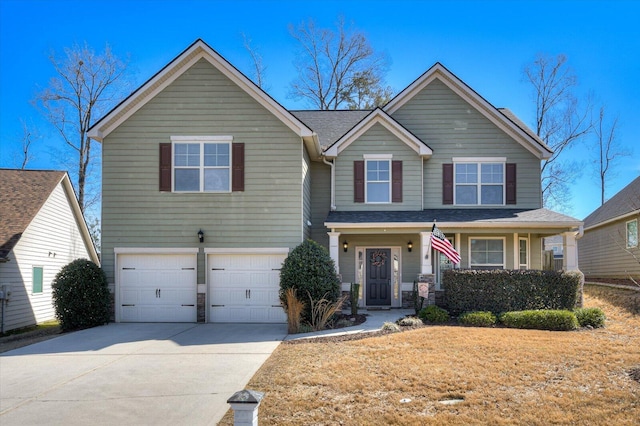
(378,116)
(503,119)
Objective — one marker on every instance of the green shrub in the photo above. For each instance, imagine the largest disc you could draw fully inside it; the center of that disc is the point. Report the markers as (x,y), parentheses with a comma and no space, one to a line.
(590,317)
(558,320)
(81,295)
(433,313)
(478,319)
(311,271)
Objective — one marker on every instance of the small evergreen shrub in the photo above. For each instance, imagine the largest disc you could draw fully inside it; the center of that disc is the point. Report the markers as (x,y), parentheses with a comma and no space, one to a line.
(478,319)
(311,271)
(81,296)
(433,313)
(590,317)
(557,320)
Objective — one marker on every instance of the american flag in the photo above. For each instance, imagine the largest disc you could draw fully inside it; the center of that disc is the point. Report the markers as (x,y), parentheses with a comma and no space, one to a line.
(439,242)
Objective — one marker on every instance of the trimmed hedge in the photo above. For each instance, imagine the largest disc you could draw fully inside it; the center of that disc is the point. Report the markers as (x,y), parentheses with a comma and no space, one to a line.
(557,320)
(478,319)
(502,290)
(81,296)
(590,317)
(432,313)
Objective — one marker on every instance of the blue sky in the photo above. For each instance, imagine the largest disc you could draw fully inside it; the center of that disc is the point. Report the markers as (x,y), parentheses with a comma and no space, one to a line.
(485,43)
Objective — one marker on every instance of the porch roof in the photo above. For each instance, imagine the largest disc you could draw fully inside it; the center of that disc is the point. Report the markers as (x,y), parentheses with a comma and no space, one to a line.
(453,218)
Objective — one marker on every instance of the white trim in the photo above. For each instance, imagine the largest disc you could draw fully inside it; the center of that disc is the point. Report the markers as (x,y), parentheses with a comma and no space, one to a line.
(396,298)
(155,250)
(613,219)
(438,71)
(474,225)
(259,250)
(626,232)
(202,138)
(384,158)
(479,184)
(201,141)
(528,248)
(377,156)
(479,159)
(483,237)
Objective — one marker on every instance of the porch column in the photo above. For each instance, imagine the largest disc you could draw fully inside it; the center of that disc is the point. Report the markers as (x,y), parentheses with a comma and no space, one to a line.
(334,249)
(425,253)
(570,251)
(458,247)
(516,251)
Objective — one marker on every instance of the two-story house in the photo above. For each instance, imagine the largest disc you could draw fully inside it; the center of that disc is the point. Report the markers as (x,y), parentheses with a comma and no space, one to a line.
(208,183)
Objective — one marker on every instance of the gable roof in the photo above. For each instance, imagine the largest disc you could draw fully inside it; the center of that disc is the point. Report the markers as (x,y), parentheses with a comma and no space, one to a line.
(378,116)
(22,195)
(330,125)
(624,204)
(504,119)
(174,69)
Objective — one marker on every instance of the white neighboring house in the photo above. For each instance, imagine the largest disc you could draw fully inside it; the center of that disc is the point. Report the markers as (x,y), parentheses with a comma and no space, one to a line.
(41,230)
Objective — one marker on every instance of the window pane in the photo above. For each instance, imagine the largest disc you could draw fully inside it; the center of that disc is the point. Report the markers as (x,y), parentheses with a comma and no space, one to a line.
(523,252)
(216,179)
(466,173)
(377,192)
(37,279)
(377,170)
(187,154)
(486,252)
(492,173)
(466,194)
(632,234)
(491,194)
(216,154)
(187,179)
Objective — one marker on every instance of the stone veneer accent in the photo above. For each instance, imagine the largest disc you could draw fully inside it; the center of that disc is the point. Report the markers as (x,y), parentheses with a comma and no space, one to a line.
(201,309)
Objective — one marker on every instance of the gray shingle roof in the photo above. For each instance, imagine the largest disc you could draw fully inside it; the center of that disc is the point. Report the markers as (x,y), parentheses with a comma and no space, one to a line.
(625,201)
(330,125)
(428,216)
(22,194)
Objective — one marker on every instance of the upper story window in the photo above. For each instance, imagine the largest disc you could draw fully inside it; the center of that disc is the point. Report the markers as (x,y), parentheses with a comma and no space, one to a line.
(479,181)
(632,233)
(378,186)
(202,163)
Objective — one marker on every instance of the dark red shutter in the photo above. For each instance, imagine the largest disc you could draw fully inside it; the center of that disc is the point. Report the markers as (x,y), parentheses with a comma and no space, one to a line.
(358,181)
(237,169)
(511,183)
(165,167)
(447,184)
(396,181)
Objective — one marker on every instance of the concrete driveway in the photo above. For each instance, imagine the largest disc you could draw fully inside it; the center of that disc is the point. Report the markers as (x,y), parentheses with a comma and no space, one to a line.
(133,374)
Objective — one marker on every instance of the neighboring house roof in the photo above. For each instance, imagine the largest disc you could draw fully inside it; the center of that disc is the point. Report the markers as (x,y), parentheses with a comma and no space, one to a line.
(474,218)
(624,204)
(503,118)
(378,116)
(22,195)
(198,50)
(330,125)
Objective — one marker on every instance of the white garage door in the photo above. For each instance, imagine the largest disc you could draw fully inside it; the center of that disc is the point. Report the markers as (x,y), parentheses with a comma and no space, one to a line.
(244,288)
(158,287)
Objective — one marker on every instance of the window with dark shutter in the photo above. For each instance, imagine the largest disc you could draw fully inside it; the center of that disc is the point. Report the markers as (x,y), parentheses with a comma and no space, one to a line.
(510,172)
(237,176)
(447,184)
(396,181)
(358,181)
(165,167)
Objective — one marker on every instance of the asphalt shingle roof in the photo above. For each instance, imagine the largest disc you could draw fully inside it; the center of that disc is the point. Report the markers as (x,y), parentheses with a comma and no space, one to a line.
(625,201)
(22,194)
(330,125)
(498,216)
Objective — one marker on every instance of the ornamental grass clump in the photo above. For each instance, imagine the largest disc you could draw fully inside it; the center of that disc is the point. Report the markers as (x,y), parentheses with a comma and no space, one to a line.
(323,310)
(293,308)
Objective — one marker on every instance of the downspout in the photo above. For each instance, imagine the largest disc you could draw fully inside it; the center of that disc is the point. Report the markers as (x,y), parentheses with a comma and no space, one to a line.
(333,174)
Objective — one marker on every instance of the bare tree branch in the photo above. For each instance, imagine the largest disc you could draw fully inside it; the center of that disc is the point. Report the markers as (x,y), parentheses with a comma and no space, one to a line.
(259,69)
(608,150)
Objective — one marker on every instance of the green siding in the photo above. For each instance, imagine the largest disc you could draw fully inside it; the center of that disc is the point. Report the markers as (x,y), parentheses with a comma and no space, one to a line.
(453,128)
(306,195)
(320,202)
(202,101)
(601,252)
(378,140)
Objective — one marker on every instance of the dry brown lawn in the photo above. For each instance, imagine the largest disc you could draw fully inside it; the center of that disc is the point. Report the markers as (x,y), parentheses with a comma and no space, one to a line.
(504,376)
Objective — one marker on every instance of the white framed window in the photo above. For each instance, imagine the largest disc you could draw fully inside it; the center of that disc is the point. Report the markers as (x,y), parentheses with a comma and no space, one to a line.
(632,233)
(479,181)
(201,163)
(377,179)
(486,253)
(523,253)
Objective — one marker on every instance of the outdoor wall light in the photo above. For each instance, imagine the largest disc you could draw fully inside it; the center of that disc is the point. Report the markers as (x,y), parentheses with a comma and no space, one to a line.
(201,236)
(409,246)
(345,245)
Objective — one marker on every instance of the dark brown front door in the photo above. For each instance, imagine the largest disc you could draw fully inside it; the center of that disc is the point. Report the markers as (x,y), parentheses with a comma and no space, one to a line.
(378,277)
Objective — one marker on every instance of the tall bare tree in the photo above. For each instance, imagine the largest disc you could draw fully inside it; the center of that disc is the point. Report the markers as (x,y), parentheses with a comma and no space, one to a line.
(259,69)
(28,136)
(608,150)
(85,85)
(561,122)
(337,67)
